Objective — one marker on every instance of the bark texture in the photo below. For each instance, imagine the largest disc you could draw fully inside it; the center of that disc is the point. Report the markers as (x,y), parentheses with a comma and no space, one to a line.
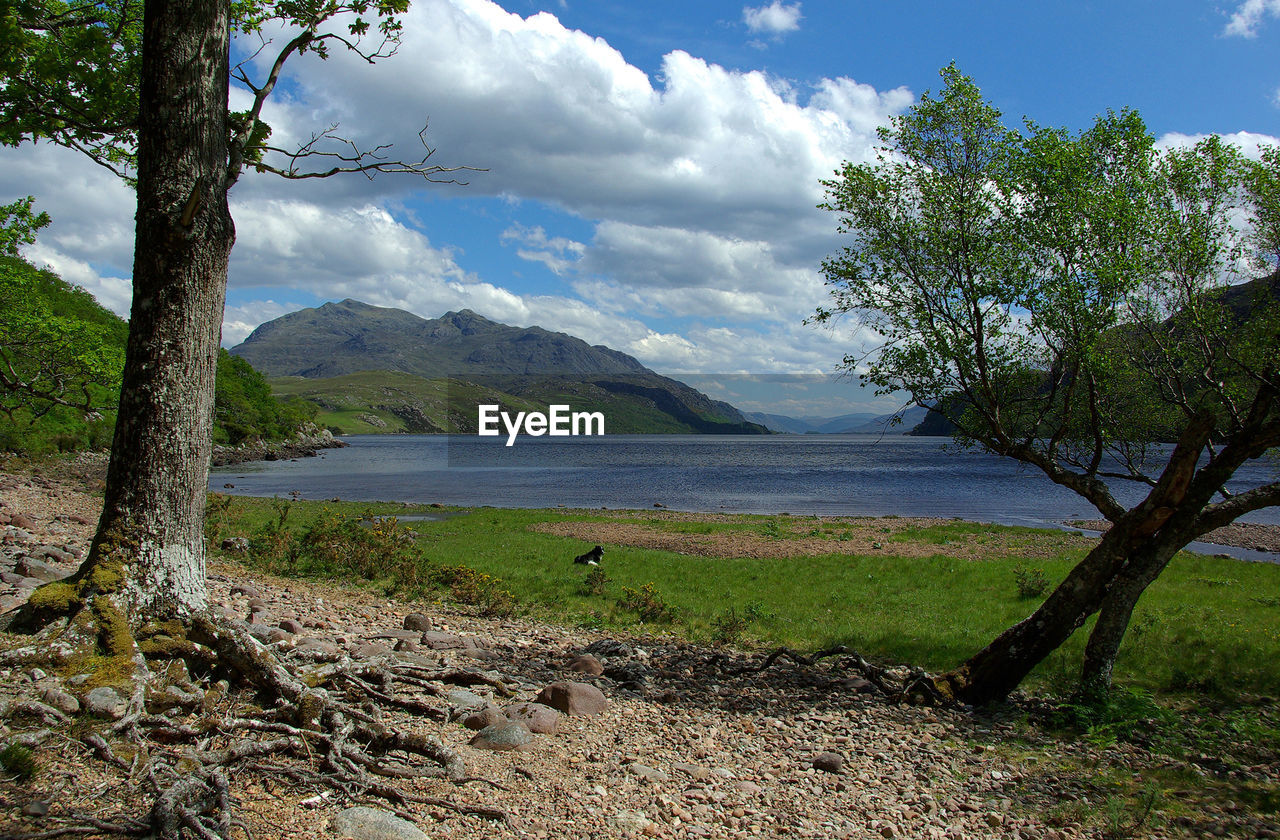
(151,531)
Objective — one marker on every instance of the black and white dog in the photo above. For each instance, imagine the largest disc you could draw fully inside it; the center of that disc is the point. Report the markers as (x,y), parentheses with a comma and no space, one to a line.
(591,558)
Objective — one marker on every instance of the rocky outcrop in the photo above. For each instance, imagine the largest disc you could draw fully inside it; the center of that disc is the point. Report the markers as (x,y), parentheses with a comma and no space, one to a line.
(305,444)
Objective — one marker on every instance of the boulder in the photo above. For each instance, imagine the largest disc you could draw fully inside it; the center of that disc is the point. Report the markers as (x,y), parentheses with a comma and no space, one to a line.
(417,621)
(539,718)
(586,664)
(365,823)
(573,698)
(510,735)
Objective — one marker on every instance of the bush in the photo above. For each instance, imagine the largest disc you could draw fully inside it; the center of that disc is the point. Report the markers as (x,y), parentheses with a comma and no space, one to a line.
(19,761)
(596,582)
(1031,583)
(647,603)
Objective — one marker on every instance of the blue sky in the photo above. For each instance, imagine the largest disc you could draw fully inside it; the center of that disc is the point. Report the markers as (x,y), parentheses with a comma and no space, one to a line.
(652,169)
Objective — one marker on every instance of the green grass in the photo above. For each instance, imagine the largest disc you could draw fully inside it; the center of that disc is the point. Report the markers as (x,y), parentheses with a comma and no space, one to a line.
(1202,627)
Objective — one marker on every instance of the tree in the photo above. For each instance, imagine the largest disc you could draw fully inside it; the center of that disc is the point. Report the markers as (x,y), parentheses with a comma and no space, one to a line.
(1063,297)
(145,572)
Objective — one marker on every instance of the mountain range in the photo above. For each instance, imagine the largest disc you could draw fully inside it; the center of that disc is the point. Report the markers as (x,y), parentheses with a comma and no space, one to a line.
(379,369)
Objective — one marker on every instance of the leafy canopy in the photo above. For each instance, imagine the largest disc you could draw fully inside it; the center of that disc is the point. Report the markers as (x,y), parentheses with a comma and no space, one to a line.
(1060,296)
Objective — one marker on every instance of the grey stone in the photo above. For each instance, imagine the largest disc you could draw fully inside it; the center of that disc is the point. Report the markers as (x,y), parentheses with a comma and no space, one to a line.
(246,589)
(511,735)
(692,770)
(370,650)
(460,698)
(403,635)
(573,698)
(440,640)
(609,648)
(10,577)
(34,568)
(364,823)
(417,621)
(644,771)
(36,808)
(105,702)
(62,701)
(829,762)
(313,648)
(539,718)
(57,555)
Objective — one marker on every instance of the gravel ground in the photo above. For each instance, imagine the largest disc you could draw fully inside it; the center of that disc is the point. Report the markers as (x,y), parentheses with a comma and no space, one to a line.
(684,749)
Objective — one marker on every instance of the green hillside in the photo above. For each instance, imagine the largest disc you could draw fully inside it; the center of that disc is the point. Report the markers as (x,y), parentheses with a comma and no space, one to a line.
(386,402)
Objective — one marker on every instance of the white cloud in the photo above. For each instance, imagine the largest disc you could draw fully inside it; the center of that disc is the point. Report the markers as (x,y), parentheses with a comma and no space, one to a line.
(1248,142)
(775,20)
(557,253)
(1248,17)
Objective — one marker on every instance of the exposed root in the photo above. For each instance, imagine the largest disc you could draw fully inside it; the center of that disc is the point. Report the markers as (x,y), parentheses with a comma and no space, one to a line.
(917,687)
(325,728)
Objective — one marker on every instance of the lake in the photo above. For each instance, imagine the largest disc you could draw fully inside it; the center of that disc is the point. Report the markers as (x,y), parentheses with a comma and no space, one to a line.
(851,475)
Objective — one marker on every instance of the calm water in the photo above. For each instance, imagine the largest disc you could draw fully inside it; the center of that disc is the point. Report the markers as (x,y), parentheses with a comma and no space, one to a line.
(809,474)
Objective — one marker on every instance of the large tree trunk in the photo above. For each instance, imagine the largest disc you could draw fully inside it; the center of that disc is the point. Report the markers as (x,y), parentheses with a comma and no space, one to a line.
(150,541)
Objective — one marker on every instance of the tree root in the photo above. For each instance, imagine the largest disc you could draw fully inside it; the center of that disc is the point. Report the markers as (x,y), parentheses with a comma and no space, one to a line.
(324,729)
(917,688)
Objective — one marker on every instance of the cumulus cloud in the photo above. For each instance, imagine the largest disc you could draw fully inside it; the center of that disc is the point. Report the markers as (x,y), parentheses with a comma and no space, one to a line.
(700,183)
(774,20)
(1248,17)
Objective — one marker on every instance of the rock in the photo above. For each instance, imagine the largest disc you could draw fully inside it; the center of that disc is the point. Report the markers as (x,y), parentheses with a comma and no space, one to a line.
(291,626)
(406,646)
(246,589)
(370,650)
(365,823)
(511,735)
(573,698)
(417,621)
(259,629)
(311,648)
(400,635)
(828,762)
(630,822)
(17,520)
(36,808)
(460,699)
(644,771)
(236,545)
(746,786)
(439,640)
(105,702)
(257,604)
(10,577)
(57,555)
(61,700)
(259,618)
(38,569)
(276,634)
(486,717)
(692,770)
(586,664)
(539,718)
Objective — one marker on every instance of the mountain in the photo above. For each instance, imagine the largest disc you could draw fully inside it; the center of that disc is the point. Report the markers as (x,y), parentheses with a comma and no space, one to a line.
(372,368)
(349,337)
(859,423)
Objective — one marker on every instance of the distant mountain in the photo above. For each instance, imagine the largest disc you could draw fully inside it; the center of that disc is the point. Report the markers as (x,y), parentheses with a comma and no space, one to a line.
(349,337)
(859,423)
(378,369)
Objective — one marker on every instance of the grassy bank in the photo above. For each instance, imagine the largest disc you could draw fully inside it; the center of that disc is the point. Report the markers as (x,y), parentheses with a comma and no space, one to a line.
(893,590)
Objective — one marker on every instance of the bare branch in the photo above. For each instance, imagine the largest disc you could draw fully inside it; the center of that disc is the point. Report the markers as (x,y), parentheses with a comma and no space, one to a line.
(354,159)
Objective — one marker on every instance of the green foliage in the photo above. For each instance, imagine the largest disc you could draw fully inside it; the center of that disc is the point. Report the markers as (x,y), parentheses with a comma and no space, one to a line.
(71,74)
(1031,583)
(61,355)
(647,603)
(1126,714)
(18,225)
(596,582)
(244,408)
(19,761)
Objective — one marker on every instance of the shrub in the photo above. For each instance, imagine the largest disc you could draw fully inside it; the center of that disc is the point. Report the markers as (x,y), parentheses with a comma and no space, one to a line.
(19,761)
(1031,583)
(596,582)
(647,603)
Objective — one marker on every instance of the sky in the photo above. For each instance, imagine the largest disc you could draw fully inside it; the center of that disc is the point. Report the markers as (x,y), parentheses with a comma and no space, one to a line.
(646,176)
